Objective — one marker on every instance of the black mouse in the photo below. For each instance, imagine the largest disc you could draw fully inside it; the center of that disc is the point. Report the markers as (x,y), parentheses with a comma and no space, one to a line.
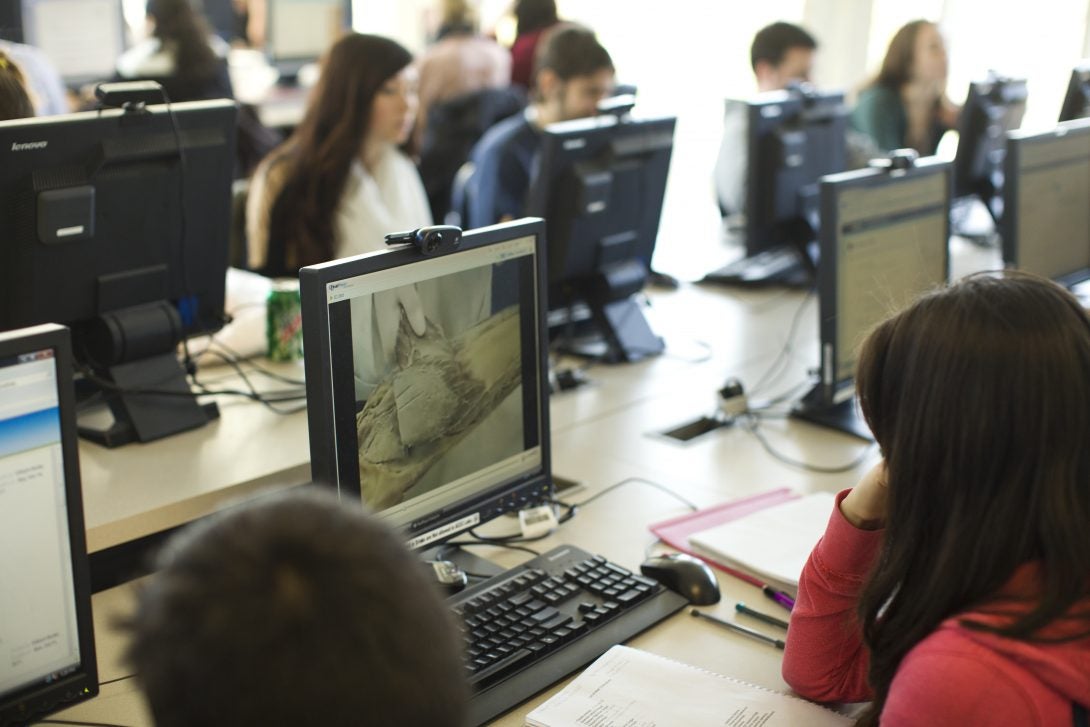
(686,575)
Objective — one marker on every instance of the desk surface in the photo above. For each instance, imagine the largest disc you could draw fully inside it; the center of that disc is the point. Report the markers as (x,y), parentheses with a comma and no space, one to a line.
(603,433)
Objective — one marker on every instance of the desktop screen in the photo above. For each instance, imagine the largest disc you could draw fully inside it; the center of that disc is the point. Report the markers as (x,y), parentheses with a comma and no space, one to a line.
(1046,221)
(1076,103)
(46,649)
(300,31)
(426,380)
(83,38)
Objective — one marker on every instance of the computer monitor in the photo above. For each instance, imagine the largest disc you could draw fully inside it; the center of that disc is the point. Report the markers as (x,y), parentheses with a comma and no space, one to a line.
(47,643)
(442,432)
(298,32)
(83,38)
(1076,104)
(1046,202)
(599,184)
(883,242)
(992,108)
(793,138)
(116,223)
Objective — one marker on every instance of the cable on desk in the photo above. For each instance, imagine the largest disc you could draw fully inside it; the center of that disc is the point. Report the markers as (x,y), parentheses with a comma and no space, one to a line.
(236,358)
(118,679)
(82,724)
(494,543)
(751,425)
(775,370)
(627,481)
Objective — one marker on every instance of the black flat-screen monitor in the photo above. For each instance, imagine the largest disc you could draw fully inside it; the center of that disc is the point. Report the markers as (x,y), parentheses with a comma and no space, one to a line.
(883,240)
(443,431)
(992,108)
(600,184)
(299,32)
(116,223)
(1076,104)
(83,38)
(1046,202)
(792,139)
(47,643)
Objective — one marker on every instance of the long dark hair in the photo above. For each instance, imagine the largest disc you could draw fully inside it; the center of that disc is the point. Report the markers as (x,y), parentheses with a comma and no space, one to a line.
(14,98)
(900,57)
(181,27)
(531,15)
(323,147)
(979,398)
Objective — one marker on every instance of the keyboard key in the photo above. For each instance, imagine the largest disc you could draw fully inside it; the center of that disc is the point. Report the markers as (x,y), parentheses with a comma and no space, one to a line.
(501,667)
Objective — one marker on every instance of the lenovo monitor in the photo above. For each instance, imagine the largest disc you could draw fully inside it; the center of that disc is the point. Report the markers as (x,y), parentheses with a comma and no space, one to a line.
(47,644)
(883,240)
(116,222)
(1046,210)
(299,32)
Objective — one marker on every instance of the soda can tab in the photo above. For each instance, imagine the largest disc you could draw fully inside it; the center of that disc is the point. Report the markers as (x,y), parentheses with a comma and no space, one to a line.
(284,321)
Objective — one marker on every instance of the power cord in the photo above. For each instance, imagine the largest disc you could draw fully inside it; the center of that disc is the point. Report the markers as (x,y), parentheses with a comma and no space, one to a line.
(751,423)
(82,724)
(778,365)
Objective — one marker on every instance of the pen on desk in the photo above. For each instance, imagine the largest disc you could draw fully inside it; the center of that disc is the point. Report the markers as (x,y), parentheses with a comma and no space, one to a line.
(779,597)
(778,643)
(743,608)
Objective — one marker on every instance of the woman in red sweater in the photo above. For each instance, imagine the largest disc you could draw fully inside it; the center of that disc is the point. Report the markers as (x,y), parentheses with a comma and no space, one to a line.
(952,586)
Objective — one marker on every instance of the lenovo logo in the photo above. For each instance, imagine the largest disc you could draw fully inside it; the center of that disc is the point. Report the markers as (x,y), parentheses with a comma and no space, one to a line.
(16,146)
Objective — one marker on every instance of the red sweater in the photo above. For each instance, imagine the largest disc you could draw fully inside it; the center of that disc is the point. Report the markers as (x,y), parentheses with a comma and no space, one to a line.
(954,676)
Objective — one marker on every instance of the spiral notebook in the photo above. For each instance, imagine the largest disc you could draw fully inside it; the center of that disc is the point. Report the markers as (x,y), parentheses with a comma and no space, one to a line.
(627,686)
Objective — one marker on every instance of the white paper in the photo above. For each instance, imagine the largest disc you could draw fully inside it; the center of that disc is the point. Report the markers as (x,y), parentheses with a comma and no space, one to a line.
(773,543)
(632,688)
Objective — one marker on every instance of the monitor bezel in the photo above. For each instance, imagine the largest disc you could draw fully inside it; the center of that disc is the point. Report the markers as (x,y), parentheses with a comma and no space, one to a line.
(1077,96)
(972,123)
(832,186)
(319,376)
(1017,140)
(38,700)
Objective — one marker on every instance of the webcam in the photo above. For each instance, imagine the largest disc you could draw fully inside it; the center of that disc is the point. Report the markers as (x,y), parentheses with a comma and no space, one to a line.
(430,241)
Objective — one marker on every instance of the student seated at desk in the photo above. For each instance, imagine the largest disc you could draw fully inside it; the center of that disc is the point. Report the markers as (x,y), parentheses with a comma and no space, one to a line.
(14,100)
(952,586)
(572,74)
(295,610)
(339,184)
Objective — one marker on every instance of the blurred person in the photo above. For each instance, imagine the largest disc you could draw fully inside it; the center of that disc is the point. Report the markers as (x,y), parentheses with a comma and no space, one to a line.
(14,99)
(43,80)
(532,19)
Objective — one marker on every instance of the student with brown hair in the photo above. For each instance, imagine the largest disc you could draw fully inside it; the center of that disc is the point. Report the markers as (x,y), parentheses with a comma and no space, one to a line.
(295,609)
(339,183)
(14,100)
(906,103)
(952,585)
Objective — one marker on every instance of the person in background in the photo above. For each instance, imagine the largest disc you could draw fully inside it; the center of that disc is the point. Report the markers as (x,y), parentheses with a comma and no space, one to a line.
(43,81)
(295,609)
(573,73)
(781,54)
(952,585)
(182,54)
(460,62)
(14,99)
(339,184)
(532,19)
(906,105)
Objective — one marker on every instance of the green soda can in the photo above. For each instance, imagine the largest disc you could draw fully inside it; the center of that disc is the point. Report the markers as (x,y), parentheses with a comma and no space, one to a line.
(284,321)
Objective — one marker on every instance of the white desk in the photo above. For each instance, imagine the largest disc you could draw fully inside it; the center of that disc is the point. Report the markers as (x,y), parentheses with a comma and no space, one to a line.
(603,433)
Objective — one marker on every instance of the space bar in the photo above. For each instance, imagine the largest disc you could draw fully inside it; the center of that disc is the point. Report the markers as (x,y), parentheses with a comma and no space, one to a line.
(500,667)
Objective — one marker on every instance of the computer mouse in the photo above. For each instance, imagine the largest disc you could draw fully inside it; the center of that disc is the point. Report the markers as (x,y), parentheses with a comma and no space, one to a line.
(684,574)
(448,575)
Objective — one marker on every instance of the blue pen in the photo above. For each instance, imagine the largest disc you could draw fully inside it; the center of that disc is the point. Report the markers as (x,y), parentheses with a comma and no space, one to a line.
(779,597)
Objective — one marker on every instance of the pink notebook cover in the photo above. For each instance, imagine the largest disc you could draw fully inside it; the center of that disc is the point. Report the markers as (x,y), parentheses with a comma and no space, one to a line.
(676,531)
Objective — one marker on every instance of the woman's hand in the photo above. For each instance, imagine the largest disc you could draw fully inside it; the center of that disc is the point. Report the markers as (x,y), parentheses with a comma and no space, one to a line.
(865,506)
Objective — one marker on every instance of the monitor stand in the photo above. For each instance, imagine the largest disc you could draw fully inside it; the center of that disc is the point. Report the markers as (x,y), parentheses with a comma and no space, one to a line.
(844,416)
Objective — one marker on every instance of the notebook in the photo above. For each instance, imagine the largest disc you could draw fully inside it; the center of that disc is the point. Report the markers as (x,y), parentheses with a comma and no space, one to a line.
(627,686)
(772,543)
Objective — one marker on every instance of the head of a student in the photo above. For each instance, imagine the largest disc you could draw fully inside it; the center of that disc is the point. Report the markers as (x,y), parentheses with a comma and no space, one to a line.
(456,17)
(295,610)
(573,72)
(781,54)
(916,54)
(979,398)
(15,100)
(364,103)
(531,15)
(180,26)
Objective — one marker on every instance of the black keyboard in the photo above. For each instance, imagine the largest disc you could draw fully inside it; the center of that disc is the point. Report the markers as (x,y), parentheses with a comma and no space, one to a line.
(779,266)
(533,625)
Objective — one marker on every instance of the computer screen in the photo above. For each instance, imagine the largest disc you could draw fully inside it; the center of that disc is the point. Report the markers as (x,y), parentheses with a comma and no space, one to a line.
(1046,217)
(792,139)
(883,242)
(427,391)
(299,32)
(117,224)
(599,184)
(1076,104)
(83,38)
(47,646)
(992,108)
